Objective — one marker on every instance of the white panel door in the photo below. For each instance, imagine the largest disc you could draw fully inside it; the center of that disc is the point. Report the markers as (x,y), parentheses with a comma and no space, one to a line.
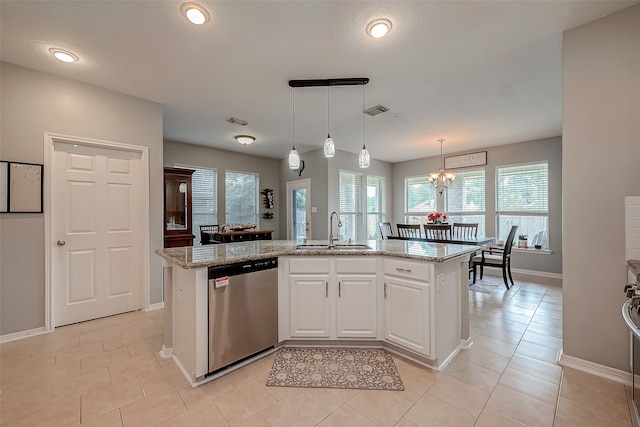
(357,304)
(310,306)
(96,255)
(407,314)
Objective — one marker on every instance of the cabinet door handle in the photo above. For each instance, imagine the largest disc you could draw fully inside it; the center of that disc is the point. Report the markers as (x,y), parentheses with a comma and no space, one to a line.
(326,289)
(339,291)
(406,270)
(385,290)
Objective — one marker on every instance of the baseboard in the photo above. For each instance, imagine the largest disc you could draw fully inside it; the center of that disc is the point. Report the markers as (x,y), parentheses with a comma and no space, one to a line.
(23,334)
(156,306)
(542,277)
(601,371)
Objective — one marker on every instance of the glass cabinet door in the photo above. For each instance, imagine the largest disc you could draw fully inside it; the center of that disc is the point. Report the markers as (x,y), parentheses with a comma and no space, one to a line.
(176,205)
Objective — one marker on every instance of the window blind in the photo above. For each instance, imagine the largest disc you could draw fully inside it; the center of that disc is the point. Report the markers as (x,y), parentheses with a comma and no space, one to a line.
(523,188)
(204,184)
(420,195)
(468,192)
(374,205)
(350,205)
(241,198)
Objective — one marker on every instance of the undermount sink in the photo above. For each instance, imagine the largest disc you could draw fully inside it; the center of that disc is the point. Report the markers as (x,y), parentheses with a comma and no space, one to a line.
(311,247)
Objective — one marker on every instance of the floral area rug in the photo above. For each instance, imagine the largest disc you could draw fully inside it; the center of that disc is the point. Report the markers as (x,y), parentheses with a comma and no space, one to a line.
(369,369)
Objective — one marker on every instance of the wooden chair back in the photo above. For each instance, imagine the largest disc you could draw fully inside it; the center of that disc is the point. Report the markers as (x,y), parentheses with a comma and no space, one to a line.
(437,231)
(408,231)
(206,232)
(464,230)
(385,230)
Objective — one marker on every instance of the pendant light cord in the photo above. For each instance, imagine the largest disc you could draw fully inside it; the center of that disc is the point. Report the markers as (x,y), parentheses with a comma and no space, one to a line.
(363,137)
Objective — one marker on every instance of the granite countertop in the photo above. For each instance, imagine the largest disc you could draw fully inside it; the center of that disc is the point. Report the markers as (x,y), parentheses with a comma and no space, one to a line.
(634,267)
(190,257)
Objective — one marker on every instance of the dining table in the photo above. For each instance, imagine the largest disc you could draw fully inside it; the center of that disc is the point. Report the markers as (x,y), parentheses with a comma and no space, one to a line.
(476,241)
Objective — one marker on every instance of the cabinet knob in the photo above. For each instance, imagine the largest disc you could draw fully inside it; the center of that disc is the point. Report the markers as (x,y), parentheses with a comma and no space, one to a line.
(61,243)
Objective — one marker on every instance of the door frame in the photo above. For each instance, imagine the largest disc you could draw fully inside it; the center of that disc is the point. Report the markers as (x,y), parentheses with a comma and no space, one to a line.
(50,139)
(299,183)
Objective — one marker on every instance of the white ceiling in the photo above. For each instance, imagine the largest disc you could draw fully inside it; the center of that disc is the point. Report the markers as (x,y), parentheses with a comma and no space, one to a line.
(476,73)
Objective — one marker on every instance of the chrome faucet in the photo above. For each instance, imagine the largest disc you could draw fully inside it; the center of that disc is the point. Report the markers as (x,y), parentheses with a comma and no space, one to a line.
(331,238)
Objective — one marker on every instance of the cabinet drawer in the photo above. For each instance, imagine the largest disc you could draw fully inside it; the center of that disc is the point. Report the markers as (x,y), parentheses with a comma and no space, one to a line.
(356,265)
(309,265)
(412,270)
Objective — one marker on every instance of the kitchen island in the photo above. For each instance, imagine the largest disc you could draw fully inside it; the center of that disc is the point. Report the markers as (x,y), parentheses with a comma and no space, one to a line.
(407,296)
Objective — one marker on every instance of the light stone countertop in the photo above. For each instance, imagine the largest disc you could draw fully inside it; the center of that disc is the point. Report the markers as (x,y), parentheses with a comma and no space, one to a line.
(191,257)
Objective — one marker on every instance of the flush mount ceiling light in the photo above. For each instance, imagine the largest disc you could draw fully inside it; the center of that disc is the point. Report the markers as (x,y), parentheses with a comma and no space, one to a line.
(379,28)
(63,55)
(441,180)
(245,139)
(195,13)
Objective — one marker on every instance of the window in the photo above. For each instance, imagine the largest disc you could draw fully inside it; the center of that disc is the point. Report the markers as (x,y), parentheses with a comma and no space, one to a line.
(522,199)
(204,200)
(241,198)
(420,199)
(350,205)
(375,206)
(465,200)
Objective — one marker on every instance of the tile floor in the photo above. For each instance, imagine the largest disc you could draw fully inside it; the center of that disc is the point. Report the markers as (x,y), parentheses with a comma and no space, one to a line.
(107,373)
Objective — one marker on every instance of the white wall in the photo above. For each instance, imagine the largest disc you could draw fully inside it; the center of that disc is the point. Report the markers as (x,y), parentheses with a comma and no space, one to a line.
(34,103)
(601,153)
(549,149)
(176,153)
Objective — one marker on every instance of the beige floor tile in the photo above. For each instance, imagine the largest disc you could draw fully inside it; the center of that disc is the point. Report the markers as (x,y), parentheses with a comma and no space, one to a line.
(492,418)
(329,399)
(508,325)
(114,396)
(545,330)
(346,416)
(536,351)
(61,413)
(463,396)
(543,390)
(607,397)
(294,410)
(485,359)
(82,384)
(242,402)
(432,411)
(110,419)
(514,317)
(146,347)
(473,374)
(581,414)
(80,352)
(542,339)
(256,371)
(255,421)
(502,334)
(279,393)
(547,320)
(538,368)
(416,381)
(382,407)
(521,407)
(193,396)
(496,346)
(203,415)
(103,360)
(15,404)
(98,334)
(153,409)
(127,369)
(122,340)
(161,378)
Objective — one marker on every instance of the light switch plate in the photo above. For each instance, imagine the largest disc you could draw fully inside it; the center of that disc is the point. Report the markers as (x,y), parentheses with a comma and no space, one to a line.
(314,209)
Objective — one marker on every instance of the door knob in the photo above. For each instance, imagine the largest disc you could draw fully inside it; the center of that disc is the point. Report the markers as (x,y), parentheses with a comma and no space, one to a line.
(60,242)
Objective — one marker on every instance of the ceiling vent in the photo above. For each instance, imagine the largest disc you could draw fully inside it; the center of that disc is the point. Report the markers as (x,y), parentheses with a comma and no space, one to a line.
(378,109)
(238,121)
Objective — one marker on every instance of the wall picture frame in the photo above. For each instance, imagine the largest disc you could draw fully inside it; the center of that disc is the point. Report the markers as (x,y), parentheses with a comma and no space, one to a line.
(466,160)
(21,186)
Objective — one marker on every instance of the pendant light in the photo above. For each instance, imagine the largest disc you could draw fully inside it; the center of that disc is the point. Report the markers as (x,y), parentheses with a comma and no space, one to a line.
(329,146)
(441,180)
(364,160)
(294,157)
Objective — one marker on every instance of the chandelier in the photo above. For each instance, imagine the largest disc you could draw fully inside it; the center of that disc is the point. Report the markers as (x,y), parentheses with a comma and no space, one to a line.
(441,180)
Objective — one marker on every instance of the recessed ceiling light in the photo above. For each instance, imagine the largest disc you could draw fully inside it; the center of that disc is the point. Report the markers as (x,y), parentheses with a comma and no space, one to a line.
(63,55)
(379,28)
(195,13)
(245,139)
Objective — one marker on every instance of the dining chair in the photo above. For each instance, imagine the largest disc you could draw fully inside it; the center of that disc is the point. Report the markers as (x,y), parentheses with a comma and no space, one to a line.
(437,231)
(496,257)
(385,230)
(464,230)
(408,231)
(206,234)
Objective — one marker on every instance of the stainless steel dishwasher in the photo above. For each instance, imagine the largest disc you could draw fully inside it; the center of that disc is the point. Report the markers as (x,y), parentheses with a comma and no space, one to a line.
(243,311)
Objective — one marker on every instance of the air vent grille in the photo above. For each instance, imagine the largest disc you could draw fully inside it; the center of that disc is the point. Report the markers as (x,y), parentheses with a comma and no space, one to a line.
(238,121)
(378,109)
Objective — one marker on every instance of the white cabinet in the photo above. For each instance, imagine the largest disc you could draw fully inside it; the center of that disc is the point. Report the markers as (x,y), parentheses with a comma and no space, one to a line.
(407,308)
(333,297)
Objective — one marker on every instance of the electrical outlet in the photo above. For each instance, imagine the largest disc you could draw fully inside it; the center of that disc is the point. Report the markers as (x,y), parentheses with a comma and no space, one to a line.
(440,281)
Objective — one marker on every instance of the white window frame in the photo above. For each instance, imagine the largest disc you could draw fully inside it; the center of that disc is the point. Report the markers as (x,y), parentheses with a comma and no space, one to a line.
(360,212)
(256,195)
(419,216)
(196,224)
(380,213)
(468,216)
